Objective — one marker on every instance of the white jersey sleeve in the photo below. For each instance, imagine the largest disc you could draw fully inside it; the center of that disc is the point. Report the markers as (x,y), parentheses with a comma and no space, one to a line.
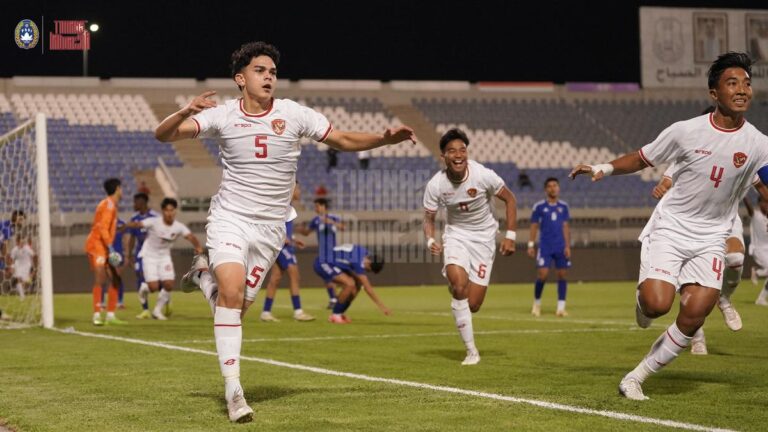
(314,125)
(209,122)
(665,148)
(432,195)
(491,181)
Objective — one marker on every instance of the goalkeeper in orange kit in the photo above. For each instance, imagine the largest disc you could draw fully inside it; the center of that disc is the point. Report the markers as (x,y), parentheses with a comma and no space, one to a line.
(101,256)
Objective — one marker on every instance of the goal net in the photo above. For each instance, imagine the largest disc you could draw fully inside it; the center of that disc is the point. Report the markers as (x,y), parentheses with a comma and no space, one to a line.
(26,288)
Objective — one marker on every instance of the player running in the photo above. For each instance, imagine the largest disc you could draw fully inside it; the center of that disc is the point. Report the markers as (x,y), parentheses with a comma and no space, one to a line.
(466,189)
(550,217)
(246,222)
(718,156)
(156,254)
(135,243)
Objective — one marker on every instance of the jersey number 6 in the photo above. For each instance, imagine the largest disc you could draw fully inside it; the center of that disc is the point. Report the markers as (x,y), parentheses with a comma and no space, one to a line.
(261,146)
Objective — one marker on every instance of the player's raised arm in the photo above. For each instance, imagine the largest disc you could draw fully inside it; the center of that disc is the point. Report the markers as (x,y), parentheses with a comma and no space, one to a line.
(358,141)
(627,164)
(508,244)
(178,125)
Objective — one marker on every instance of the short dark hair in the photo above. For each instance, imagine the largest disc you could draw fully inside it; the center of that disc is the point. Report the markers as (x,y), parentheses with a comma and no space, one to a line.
(725,61)
(15,215)
(247,51)
(111,185)
(321,201)
(377,262)
(450,135)
(169,201)
(549,179)
(142,196)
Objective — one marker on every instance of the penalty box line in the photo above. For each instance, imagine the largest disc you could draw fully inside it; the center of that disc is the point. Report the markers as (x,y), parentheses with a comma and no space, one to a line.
(534,402)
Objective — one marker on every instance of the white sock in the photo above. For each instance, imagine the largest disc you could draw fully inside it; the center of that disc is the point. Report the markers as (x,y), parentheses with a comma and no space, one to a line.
(97,315)
(110,315)
(561,305)
(537,302)
(463,317)
(144,294)
(666,348)
(731,279)
(229,337)
(163,297)
(20,290)
(764,292)
(297,312)
(210,289)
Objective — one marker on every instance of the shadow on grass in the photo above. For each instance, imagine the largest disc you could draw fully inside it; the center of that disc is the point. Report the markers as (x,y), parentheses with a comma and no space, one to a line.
(254,394)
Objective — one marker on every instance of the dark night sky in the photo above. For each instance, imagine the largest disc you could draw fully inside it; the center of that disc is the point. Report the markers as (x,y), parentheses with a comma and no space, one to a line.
(472,40)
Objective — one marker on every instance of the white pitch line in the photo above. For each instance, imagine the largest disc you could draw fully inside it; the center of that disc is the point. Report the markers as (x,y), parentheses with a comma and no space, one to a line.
(402,335)
(538,403)
(538,320)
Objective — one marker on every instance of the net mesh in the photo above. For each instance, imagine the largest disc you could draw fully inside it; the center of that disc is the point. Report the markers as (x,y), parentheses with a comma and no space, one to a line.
(20,300)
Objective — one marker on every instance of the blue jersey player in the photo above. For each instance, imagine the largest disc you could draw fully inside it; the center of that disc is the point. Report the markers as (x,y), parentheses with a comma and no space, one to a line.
(286,263)
(326,226)
(549,221)
(353,261)
(137,237)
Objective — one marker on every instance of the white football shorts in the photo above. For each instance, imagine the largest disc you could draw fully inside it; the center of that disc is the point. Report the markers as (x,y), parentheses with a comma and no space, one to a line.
(681,262)
(476,258)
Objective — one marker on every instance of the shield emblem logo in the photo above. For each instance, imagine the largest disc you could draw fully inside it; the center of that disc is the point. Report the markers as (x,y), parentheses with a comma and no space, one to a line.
(739,159)
(278,125)
(472,192)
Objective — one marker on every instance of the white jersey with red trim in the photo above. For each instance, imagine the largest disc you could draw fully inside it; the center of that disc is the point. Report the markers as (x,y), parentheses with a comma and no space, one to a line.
(715,168)
(160,237)
(260,154)
(469,204)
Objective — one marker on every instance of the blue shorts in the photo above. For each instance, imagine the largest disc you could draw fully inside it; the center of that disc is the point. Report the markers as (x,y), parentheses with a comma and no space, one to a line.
(545,257)
(286,257)
(327,271)
(139,268)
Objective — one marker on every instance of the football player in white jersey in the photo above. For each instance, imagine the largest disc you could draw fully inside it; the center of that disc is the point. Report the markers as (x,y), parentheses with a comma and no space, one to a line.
(734,261)
(466,189)
(718,156)
(23,263)
(758,246)
(155,254)
(246,223)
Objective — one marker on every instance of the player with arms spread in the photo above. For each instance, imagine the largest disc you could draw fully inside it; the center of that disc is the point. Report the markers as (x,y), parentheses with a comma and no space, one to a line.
(246,223)
(466,189)
(718,156)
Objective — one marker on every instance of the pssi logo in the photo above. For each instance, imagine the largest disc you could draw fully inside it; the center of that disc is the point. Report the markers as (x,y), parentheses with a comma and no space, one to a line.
(26,34)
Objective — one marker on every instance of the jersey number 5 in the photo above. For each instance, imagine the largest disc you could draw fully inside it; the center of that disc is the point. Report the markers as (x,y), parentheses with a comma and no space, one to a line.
(716,176)
(261,146)
(256,274)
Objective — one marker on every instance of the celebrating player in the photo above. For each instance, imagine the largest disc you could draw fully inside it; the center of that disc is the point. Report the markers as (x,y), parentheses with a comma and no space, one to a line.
(466,190)
(551,216)
(246,223)
(156,254)
(101,256)
(718,156)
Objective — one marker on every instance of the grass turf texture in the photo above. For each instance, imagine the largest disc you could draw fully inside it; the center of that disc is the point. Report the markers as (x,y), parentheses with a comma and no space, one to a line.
(62,382)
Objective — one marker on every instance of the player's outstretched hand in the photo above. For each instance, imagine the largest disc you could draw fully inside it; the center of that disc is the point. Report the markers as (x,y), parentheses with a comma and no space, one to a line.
(507,247)
(532,252)
(586,169)
(199,103)
(436,249)
(399,134)
(386,311)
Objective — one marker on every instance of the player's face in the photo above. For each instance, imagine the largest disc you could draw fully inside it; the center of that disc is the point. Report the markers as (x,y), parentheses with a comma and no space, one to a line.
(259,78)
(169,214)
(139,205)
(455,157)
(552,189)
(319,208)
(733,92)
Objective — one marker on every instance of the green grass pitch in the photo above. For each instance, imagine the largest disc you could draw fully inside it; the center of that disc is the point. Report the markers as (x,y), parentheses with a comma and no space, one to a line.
(53,381)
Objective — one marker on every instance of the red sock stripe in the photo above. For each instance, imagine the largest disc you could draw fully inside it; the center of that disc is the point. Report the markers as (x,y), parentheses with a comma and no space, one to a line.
(227,325)
(673,340)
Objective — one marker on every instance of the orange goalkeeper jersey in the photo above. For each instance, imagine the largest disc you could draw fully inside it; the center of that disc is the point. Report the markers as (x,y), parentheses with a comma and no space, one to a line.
(103,228)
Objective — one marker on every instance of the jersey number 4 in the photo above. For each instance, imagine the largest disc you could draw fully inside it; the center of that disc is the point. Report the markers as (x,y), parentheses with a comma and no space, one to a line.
(717,175)
(261,146)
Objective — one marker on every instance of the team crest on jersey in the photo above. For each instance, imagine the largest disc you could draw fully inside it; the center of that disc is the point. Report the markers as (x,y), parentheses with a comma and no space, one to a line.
(471,192)
(278,125)
(739,159)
